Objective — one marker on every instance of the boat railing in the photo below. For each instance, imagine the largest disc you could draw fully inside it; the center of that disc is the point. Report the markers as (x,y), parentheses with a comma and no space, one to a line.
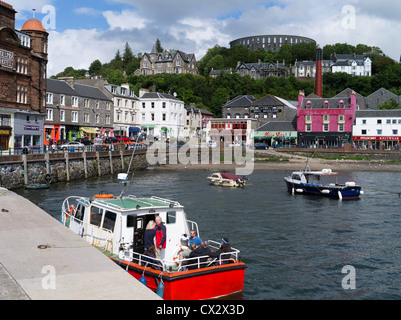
(175,203)
(193,226)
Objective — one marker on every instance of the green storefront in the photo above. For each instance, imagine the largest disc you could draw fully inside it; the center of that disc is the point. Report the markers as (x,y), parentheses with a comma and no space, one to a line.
(284,139)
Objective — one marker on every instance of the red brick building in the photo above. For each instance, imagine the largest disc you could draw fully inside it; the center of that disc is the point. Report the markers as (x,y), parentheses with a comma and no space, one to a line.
(23,61)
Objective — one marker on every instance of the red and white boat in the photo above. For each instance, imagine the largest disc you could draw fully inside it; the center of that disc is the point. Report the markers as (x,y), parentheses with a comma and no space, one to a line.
(116,226)
(226,179)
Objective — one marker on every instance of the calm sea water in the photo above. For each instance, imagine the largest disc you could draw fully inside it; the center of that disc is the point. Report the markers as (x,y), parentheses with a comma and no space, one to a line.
(295,247)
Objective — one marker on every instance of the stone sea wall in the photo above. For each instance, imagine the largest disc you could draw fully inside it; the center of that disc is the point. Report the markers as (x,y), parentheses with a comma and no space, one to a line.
(19,170)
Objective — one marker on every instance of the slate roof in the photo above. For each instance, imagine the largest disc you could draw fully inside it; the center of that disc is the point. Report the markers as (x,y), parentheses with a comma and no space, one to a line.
(60,86)
(158,95)
(378,113)
(268,100)
(240,101)
(90,92)
(278,126)
(318,103)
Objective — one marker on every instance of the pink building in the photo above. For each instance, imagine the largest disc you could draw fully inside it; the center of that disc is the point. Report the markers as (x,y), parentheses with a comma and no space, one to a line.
(325,122)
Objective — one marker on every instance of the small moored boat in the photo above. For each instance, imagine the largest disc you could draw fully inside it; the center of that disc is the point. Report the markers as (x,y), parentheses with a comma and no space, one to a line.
(226,179)
(323,183)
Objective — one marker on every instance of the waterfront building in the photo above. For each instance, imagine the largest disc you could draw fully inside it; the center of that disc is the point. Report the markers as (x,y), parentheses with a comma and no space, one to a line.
(269,42)
(377,129)
(232,130)
(192,122)
(277,133)
(161,115)
(125,105)
(169,61)
(75,110)
(23,61)
(325,122)
(265,109)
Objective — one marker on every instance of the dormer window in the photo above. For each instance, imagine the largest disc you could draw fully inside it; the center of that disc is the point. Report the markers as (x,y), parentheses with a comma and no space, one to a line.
(308,105)
(326,105)
(341,104)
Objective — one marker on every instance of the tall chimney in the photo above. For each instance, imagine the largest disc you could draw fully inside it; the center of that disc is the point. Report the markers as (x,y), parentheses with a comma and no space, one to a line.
(318,78)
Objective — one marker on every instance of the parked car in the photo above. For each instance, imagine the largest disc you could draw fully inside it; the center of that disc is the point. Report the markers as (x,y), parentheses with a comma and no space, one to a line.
(84,141)
(72,146)
(111,140)
(261,145)
(212,144)
(234,144)
(123,138)
(136,146)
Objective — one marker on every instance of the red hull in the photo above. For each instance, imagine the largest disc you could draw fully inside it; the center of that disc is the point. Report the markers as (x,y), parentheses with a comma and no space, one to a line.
(199,284)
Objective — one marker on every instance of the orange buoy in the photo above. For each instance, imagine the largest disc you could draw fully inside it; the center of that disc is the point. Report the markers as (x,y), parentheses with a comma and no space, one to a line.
(104,196)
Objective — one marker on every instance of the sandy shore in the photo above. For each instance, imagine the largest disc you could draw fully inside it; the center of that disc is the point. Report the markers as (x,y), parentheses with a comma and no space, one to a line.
(292,163)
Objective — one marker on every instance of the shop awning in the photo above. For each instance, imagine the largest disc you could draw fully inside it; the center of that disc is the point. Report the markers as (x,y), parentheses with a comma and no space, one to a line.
(89,129)
(134,129)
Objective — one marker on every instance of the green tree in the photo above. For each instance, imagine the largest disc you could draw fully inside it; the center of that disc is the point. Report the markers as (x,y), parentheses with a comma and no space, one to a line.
(95,67)
(128,56)
(217,100)
(159,47)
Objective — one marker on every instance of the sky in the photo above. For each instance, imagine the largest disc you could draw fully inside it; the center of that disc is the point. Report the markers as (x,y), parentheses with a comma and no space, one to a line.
(81,31)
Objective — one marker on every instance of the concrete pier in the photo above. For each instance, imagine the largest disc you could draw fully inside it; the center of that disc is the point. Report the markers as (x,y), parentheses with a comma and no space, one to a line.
(40,259)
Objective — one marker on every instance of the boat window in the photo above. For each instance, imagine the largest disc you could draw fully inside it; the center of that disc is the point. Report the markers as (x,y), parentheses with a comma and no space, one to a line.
(96,216)
(296,177)
(109,220)
(171,217)
(130,221)
(79,215)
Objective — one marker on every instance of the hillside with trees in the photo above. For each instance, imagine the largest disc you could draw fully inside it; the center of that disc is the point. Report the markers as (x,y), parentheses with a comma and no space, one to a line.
(212,93)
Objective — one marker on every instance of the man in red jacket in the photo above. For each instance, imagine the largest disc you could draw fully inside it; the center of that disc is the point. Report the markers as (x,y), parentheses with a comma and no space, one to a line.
(161,237)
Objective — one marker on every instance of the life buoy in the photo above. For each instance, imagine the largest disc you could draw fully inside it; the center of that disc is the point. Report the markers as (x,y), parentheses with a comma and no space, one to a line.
(175,255)
(104,196)
(71,211)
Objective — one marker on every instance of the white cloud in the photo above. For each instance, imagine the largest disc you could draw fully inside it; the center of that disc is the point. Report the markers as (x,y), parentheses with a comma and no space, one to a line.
(126,20)
(77,48)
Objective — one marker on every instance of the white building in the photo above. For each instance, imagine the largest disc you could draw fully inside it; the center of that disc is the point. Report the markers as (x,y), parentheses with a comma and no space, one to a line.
(126,106)
(161,115)
(355,65)
(377,129)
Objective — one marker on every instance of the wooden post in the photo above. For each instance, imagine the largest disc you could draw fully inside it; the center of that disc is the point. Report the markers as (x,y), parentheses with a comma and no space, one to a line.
(47,163)
(67,166)
(111,161)
(25,162)
(85,165)
(122,159)
(98,164)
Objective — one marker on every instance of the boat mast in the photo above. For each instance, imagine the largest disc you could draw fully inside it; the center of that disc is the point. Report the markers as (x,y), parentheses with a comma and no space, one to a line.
(125,181)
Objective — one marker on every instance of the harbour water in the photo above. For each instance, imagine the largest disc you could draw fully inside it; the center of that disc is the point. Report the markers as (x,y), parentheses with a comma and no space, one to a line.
(295,247)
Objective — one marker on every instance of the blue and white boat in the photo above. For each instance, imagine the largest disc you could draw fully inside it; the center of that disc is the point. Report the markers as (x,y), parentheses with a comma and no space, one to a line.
(322,183)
